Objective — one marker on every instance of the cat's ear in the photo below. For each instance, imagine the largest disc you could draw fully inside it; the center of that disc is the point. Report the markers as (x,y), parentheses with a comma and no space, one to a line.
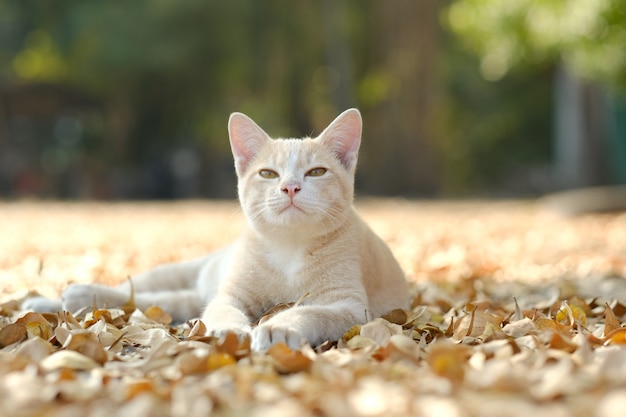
(343,136)
(246,140)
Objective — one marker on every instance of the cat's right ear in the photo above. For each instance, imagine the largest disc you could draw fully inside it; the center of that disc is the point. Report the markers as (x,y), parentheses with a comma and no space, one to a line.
(246,140)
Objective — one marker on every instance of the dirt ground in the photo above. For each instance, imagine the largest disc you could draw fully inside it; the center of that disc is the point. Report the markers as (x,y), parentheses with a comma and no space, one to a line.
(517,310)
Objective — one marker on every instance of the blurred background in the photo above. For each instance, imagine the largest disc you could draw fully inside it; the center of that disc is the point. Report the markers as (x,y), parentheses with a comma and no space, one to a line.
(117,99)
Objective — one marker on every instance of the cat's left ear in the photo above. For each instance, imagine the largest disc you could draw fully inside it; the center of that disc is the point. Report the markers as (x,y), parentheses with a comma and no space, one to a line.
(343,136)
(246,140)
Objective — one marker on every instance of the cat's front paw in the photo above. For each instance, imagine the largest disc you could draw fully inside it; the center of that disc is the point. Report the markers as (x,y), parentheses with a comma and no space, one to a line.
(242,333)
(268,334)
(78,296)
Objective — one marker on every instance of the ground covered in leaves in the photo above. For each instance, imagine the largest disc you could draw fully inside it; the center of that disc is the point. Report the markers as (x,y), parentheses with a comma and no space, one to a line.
(516,311)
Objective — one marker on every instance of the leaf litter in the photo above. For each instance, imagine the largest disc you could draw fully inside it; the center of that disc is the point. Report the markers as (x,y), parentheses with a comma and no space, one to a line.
(513,320)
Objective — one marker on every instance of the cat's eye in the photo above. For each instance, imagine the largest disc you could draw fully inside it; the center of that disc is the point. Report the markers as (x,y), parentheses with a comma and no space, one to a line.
(268,174)
(316,172)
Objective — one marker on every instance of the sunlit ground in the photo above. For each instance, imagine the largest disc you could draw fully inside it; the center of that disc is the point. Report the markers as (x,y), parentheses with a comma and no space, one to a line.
(46,245)
(516,311)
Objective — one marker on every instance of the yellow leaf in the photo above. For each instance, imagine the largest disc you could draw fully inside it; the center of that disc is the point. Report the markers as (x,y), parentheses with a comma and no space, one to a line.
(570,314)
(617,336)
(448,360)
(218,360)
(155,313)
(353,331)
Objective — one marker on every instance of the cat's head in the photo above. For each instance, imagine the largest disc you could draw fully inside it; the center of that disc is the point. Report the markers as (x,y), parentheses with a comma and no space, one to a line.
(307,183)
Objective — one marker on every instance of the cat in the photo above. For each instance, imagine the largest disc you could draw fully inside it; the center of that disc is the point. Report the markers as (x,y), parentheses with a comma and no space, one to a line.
(303,240)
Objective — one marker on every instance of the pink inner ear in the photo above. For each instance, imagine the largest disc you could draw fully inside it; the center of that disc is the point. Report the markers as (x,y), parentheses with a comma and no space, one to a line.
(246,139)
(344,136)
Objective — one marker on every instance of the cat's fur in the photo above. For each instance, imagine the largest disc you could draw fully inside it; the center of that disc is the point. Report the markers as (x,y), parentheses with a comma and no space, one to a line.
(303,239)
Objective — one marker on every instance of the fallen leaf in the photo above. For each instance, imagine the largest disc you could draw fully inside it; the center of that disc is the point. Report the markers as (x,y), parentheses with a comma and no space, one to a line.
(68,359)
(156,314)
(286,360)
(353,331)
(87,344)
(397,316)
(380,330)
(13,333)
(610,321)
(219,360)
(448,360)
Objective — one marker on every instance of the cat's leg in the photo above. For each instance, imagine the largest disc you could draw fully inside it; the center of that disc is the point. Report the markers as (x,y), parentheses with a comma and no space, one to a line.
(225,314)
(180,304)
(169,277)
(308,324)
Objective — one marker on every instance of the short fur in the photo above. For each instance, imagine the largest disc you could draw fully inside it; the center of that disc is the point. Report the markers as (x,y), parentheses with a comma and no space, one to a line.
(303,240)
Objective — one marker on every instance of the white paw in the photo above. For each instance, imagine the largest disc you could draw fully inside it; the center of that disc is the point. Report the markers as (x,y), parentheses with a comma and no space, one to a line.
(42,304)
(267,334)
(242,333)
(79,296)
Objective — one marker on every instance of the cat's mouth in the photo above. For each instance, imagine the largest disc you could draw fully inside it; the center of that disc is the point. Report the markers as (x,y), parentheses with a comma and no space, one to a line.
(291,207)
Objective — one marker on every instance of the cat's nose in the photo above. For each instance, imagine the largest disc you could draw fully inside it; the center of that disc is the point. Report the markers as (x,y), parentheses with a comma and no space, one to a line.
(291,189)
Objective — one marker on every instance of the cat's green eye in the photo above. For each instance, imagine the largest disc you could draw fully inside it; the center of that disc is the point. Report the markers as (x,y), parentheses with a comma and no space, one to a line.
(316,172)
(268,174)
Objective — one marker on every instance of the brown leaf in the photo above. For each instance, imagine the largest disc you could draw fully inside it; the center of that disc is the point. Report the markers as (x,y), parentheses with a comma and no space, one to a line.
(13,333)
(610,321)
(476,324)
(397,316)
(156,314)
(563,342)
(287,361)
(87,344)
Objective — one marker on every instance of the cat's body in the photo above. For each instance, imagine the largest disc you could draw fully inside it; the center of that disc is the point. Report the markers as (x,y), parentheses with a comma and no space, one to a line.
(303,240)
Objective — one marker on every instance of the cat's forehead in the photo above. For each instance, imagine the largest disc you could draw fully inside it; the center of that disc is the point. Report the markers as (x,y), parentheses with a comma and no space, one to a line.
(294,152)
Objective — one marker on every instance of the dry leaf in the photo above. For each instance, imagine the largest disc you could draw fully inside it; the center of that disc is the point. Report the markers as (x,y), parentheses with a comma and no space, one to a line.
(68,359)
(448,360)
(476,324)
(617,336)
(219,360)
(287,361)
(87,343)
(13,333)
(380,331)
(397,316)
(155,313)
(353,331)
(610,321)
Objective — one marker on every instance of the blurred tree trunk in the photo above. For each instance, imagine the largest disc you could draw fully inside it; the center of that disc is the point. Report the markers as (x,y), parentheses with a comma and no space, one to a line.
(401,152)
(580,158)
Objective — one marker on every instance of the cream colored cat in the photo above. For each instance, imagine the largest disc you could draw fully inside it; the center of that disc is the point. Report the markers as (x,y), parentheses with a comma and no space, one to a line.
(303,236)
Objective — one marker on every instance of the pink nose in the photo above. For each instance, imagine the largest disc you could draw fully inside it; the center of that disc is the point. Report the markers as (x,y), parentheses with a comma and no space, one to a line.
(291,189)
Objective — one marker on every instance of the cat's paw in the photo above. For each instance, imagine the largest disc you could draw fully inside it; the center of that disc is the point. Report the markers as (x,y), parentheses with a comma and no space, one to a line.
(242,333)
(79,296)
(268,334)
(42,304)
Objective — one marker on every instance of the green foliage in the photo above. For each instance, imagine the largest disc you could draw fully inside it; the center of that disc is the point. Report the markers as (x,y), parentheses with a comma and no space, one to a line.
(588,36)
